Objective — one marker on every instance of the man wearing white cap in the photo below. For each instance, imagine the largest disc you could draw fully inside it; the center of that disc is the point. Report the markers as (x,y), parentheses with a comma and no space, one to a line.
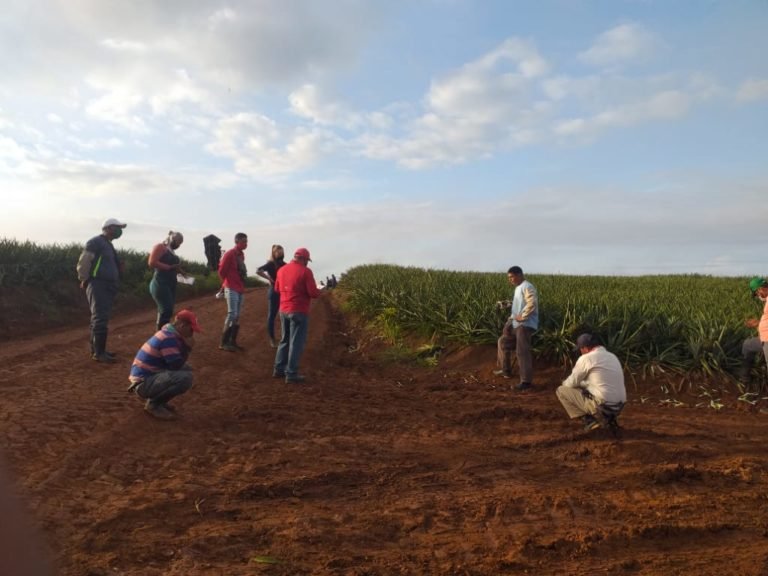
(99,269)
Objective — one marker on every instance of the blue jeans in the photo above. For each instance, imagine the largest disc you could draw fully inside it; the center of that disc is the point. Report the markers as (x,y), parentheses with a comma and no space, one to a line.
(273,299)
(294,327)
(167,384)
(234,307)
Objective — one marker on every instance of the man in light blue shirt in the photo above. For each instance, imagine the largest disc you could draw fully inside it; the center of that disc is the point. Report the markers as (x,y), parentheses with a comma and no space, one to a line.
(518,330)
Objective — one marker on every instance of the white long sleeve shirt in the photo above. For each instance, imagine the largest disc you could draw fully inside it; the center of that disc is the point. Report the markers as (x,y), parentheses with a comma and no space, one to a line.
(599,371)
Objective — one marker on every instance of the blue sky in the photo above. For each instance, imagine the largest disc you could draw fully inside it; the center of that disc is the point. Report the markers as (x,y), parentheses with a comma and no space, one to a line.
(564,136)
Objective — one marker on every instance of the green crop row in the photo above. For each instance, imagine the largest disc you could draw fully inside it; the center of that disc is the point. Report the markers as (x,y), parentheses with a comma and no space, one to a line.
(27,263)
(689,325)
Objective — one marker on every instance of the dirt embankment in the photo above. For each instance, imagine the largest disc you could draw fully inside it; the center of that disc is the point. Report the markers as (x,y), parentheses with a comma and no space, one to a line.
(369,468)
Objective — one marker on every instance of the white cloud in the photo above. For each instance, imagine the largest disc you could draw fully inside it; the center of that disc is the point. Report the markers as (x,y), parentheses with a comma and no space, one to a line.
(522,54)
(633,233)
(181,90)
(11,153)
(260,149)
(485,105)
(621,44)
(222,16)
(118,105)
(562,88)
(125,66)
(124,45)
(752,90)
(667,105)
(96,143)
(308,102)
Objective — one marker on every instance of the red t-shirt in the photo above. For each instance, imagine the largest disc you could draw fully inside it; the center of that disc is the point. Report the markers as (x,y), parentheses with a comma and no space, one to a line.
(229,270)
(296,285)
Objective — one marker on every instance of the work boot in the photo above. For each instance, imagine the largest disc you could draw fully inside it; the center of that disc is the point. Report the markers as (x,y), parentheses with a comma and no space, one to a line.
(523,386)
(745,370)
(99,350)
(590,422)
(296,379)
(159,411)
(233,339)
(226,340)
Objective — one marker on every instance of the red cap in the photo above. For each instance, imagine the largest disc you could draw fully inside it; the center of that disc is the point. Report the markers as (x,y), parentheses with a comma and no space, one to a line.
(303,253)
(189,317)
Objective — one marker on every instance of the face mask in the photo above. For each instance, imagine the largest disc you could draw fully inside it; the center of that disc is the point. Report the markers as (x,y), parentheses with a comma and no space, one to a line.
(116,233)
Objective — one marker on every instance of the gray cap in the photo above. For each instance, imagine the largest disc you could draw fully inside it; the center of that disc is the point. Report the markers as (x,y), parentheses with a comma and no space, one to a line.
(585,340)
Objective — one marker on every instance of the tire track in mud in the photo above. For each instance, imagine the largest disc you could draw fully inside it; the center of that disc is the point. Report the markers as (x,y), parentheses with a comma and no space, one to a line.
(371,467)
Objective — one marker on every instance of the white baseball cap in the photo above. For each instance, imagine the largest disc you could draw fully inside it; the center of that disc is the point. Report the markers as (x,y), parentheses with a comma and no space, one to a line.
(113,222)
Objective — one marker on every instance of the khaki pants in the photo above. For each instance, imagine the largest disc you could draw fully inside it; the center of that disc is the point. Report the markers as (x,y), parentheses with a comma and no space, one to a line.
(575,403)
(519,340)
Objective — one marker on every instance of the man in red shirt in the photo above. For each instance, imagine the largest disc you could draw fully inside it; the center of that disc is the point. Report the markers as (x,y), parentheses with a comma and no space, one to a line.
(296,285)
(233,274)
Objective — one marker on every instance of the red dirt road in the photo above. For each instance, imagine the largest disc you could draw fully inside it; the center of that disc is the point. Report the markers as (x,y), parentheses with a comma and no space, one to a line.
(368,469)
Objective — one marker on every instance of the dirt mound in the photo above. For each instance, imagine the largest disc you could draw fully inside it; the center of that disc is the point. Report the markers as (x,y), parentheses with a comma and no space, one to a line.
(369,468)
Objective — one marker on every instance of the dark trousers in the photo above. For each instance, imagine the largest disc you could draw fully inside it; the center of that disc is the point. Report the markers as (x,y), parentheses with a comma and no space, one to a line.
(273,301)
(162,387)
(101,296)
(164,296)
(519,340)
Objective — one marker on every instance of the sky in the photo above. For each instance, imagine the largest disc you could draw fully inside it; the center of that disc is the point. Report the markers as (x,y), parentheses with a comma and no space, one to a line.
(615,137)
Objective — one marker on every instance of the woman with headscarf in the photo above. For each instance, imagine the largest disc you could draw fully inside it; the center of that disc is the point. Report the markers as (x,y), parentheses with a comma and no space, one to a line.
(166,264)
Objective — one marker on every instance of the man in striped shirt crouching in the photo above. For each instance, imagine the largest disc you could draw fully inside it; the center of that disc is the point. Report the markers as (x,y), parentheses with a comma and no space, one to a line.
(160,371)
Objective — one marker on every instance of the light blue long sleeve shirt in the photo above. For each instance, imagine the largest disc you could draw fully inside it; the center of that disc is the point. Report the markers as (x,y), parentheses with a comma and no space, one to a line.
(525,303)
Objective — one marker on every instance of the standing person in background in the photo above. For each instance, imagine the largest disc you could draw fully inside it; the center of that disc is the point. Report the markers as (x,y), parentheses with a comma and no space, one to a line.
(269,273)
(233,273)
(296,285)
(166,264)
(518,330)
(99,270)
(753,346)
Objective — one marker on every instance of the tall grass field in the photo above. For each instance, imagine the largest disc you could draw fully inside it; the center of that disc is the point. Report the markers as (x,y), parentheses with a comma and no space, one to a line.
(685,326)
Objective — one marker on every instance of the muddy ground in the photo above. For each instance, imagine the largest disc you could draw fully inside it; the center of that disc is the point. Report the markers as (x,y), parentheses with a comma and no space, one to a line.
(372,467)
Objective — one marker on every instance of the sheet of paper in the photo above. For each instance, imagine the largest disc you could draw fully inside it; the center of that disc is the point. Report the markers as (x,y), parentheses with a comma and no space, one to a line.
(185,279)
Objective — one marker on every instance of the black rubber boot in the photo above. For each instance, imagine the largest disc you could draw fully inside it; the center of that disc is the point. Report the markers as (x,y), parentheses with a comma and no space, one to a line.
(745,370)
(99,350)
(233,341)
(226,340)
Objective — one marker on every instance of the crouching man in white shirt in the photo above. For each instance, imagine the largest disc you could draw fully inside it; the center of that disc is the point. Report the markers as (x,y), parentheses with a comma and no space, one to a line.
(595,385)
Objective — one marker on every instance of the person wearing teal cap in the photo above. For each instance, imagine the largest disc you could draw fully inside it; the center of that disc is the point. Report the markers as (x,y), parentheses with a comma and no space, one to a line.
(753,346)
